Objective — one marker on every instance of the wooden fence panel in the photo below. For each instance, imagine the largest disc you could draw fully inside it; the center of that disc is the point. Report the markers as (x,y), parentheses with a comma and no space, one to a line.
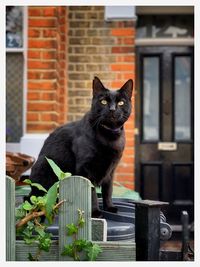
(76,191)
(10,219)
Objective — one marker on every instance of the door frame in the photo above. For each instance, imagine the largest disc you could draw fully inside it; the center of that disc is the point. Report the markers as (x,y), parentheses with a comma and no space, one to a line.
(138,106)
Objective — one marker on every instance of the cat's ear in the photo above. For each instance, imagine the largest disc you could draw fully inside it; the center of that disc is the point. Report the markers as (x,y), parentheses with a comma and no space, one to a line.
(98,87)
(128,88)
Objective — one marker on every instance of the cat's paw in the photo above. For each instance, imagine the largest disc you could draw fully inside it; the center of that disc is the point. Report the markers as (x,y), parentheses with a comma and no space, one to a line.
(112,209)
(97,213)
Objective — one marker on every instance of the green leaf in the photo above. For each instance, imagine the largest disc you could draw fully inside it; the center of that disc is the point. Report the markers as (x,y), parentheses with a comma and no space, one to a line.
(81,222)
(41,201)
(33,199)
(80,244)
(39,186)
(40,231)
(58,172)
(71,229)
(27,181)
(51,198)
(68,250)
(28,240)
(93,251)
(45,243)
(27,206)
(20,213)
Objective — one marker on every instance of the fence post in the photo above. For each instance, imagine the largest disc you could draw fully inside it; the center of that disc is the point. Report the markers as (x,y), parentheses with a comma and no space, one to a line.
(147,230)
(10,219)
(76,191)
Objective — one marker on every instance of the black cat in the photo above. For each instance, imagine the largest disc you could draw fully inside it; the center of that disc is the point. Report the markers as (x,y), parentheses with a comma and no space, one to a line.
(90,147)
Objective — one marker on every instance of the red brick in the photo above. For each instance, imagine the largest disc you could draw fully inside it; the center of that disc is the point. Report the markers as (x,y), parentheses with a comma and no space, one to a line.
(42,22)
(128,41)
(125,169)
(122,32)
(50,11)
(122,67)
(49,96)
(49,54)
(34,33)
(49,33)
(122,49)
(34,54)
(44,85)
(48,117)
(41,65)
(41,128)
(33,96)
(32,43)
(128,160)
(34,11)
(42,106)
(32,116)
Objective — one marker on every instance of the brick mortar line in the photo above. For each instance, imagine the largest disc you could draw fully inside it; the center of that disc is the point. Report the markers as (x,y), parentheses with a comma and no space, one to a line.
(103,45)
(42,80)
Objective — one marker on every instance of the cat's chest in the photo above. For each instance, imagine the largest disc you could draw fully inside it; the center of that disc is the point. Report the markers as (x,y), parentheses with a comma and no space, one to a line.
(101,163)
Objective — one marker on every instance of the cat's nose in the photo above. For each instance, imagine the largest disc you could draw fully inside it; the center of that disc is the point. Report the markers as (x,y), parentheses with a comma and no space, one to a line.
(112,107)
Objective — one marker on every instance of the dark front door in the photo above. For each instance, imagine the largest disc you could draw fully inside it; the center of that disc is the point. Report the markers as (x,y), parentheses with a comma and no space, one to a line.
(164,127)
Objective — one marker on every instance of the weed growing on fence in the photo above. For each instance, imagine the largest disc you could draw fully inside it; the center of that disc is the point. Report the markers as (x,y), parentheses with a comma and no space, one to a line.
(79,246)
(31,228)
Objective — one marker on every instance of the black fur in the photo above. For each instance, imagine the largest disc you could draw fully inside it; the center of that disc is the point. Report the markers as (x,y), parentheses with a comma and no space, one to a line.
(90,147)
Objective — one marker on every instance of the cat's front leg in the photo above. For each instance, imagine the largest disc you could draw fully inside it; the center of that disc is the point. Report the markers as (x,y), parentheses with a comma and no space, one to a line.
(107,188)
(96,212)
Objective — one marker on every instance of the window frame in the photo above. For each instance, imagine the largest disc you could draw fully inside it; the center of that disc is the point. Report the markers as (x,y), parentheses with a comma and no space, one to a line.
(15,146)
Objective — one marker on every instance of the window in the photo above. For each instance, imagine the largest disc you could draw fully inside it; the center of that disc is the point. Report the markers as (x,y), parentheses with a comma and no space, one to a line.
(165,26)
(14,72)
(182,87)
(151,88)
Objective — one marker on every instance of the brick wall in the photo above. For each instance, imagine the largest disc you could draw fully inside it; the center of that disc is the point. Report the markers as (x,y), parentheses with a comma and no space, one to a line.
(67,47)
(104,49)
(46,61)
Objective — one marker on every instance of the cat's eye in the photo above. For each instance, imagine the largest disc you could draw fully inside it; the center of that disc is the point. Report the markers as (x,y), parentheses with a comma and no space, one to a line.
(104,102)
(120,103)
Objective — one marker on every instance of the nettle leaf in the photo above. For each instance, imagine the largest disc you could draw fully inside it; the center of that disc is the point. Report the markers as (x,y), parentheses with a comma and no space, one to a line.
(80,244)
(71,229)
(45,243)
(27,206)
(51,198)
(20,213)
(58,172)
(92,251)
(40,231)
(28,240)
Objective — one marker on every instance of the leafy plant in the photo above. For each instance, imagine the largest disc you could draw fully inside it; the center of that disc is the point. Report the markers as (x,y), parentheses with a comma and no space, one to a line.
(32,228)
(79,246)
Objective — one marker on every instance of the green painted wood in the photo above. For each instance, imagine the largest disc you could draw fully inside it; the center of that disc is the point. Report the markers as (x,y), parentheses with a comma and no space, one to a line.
(117,251)
(22,251)
(111,251)
(76,191)
(10,219)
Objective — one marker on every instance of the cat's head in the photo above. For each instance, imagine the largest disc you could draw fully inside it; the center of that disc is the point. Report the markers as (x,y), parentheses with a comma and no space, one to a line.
(111,108)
